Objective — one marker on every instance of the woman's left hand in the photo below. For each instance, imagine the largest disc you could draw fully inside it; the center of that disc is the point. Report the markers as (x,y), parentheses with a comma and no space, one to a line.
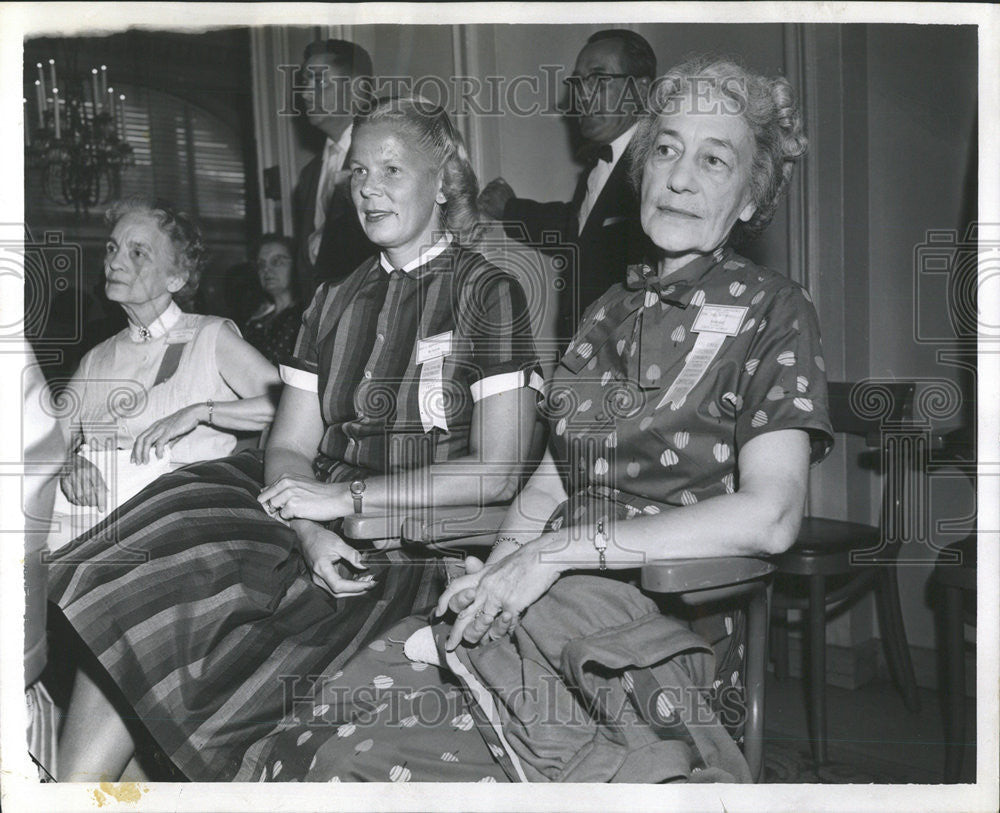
(296,496)
(506,588)
(159,435)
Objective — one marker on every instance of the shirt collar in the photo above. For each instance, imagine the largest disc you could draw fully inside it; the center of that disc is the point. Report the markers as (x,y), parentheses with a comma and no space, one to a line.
(679,286)
(424,257)
(337,150)
(620,144)
(697,268)
(159,326)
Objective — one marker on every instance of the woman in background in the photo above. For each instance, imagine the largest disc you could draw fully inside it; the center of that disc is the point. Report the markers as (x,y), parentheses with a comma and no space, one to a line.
(274,326)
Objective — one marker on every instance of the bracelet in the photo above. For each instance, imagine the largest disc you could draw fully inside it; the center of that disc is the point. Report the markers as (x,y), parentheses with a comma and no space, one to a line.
(211,409)
(601,543)
(517,542)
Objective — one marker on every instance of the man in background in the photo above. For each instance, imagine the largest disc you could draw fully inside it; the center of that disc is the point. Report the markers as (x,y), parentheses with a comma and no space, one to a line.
(330,240)
(607,94)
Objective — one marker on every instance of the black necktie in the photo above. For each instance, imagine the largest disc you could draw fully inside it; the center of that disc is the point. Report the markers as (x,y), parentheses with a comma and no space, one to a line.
(604,153)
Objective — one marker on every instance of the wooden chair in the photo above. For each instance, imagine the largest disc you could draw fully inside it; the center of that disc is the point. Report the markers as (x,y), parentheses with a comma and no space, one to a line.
(882,414)
(957,583)
(739,580)
(954,596)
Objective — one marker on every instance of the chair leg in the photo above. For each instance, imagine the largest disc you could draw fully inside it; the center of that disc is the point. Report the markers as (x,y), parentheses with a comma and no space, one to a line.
(756,666)
(954,664)
(779,637)
(897,651)
(817,665)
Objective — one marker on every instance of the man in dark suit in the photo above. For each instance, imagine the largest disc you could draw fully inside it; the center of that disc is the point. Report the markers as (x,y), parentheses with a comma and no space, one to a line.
(608,91)
(331,242)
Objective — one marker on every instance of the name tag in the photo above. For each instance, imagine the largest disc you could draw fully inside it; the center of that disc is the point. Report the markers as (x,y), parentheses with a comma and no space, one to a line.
(724,319)
(182,336)
(434,347)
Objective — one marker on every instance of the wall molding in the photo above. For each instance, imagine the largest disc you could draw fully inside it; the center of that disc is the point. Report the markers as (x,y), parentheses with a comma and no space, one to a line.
(800,267)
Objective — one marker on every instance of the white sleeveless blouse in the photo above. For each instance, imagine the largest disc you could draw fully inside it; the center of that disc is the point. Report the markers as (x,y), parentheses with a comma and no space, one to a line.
(117,397)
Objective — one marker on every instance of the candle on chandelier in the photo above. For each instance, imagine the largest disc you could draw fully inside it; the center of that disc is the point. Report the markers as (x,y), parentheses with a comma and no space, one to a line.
(104,80)
(111,108)
(27,126)
(121,112)
(40,97)
(41,78)
(55,106)
(52,72)
(97,95)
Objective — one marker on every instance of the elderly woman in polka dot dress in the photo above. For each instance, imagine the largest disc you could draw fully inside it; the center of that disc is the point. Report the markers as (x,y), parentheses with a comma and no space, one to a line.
(684,417)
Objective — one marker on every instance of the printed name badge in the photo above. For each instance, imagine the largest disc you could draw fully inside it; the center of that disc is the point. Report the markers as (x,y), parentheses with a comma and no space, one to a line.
(719,319)
(431,353)
(713,324)
(434,347)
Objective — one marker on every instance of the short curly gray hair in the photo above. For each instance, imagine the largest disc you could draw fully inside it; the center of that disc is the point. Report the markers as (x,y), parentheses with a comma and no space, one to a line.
(183,231)
(767,105)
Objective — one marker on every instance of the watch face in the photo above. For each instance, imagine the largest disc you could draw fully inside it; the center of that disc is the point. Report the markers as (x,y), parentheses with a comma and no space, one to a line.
(358,487)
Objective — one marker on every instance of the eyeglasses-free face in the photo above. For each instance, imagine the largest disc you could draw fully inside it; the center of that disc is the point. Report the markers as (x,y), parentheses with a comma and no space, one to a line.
(396,190)
(696,183)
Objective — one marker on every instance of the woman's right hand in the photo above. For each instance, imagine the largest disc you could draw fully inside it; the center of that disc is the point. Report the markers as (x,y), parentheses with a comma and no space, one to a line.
(323,550)
(461,591)
(83,484)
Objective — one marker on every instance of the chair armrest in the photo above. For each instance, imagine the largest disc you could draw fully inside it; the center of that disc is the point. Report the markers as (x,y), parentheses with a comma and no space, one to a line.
(426,526)
(695,575)
(365,527)
(442,524)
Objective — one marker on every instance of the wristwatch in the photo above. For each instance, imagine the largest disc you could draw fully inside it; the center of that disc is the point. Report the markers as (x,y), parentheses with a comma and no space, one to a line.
(357,493)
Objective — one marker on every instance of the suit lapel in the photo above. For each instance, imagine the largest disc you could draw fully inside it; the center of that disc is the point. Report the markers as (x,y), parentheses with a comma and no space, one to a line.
(616,199)
(311,175)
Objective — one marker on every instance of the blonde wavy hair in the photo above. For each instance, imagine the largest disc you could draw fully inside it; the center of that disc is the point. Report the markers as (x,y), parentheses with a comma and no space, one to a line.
(432,131)
(767,105)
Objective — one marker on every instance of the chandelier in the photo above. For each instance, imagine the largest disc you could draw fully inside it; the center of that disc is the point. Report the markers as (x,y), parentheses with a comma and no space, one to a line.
(75,140)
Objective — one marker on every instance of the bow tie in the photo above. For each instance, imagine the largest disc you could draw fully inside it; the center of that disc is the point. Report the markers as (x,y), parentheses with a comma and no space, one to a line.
(593,153)
(641,277)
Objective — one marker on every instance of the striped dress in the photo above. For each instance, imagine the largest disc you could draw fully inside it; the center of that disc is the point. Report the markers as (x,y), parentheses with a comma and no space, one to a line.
(200,607)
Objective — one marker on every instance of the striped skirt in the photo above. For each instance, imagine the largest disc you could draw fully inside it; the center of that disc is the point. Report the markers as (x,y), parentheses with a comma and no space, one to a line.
(202,610)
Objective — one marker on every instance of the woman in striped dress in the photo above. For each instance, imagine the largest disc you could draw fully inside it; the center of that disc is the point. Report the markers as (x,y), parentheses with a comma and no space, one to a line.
(212,604)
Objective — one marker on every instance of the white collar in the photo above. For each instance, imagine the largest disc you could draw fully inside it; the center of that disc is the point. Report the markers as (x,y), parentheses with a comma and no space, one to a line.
(425,256)
(620,144)
(159,327)
(342,144)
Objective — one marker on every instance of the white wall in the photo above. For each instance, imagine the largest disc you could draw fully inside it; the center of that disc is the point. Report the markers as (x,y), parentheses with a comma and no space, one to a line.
(921,107)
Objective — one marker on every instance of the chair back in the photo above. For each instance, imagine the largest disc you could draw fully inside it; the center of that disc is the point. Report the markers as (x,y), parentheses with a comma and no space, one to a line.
(881,412)
(867,408)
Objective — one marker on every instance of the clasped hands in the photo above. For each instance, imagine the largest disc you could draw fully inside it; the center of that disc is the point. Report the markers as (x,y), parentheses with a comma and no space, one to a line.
(489,599)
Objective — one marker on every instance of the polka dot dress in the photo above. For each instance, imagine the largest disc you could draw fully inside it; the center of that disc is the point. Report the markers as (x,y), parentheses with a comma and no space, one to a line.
(610,422)
(274,334)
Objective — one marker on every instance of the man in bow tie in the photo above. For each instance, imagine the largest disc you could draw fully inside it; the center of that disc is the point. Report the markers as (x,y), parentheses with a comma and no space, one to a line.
(331,242)
(607,94)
